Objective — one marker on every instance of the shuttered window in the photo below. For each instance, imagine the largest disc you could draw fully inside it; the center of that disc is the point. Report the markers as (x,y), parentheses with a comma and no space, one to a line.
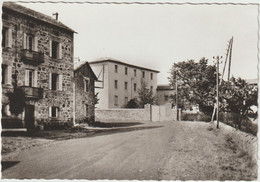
(55,81)
(7,38)
(6,74)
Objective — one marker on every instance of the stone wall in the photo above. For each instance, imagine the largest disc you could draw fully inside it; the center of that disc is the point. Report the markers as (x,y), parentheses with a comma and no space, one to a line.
(149,113)
(81,97)
(21,24)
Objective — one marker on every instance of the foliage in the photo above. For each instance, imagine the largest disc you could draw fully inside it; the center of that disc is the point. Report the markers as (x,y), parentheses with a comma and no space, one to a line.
(133,103)
(196,83)
(145,95)
(16,98)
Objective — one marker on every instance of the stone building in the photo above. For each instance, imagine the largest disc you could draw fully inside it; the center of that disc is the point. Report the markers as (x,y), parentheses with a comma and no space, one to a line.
(164,94)
(120,82)
(38,49)
(84,92)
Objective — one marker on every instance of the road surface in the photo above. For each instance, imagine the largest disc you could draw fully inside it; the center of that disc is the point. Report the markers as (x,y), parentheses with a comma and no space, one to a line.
(166,151)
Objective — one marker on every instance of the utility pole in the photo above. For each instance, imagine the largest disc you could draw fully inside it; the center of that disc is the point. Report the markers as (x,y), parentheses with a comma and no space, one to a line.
(217,89)
(176,85)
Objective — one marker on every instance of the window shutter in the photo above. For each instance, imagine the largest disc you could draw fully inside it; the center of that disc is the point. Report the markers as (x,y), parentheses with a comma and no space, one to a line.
(50,81)
(9,38)
(35,44)
(35,78)
(50,48)
(26,83)
(57,112)
(24,41)
(60,51)
(60,82)
(50,112)
(9,75)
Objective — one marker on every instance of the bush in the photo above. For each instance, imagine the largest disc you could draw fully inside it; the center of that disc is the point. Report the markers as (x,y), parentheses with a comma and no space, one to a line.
(195,117)
(57,125)
(238,121)
(11,122)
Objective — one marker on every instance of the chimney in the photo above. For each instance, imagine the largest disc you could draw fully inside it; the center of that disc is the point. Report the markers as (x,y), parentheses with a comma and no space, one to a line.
(56,15)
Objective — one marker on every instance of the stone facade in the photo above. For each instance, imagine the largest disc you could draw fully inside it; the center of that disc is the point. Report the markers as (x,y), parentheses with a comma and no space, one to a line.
(84,93)
(120,82)
(39,50)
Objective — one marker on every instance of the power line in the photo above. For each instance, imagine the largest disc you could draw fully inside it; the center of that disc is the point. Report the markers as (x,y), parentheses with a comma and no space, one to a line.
(133,3)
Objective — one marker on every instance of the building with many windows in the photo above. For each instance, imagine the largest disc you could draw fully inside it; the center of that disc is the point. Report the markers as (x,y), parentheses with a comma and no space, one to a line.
(120,82)
(38,50)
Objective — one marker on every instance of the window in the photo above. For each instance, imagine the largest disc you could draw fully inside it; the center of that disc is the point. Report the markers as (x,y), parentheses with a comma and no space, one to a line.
(54,112)
(126,70)
(116,68)
(134,86)
(55,82)
(126,100)
(115,83)
(135,72)
(151,88)
(30,42)
(86,85)
(86,109)
(166,98)
(31,78)
(6,37)
(116,100)
(55,50)
(6,74)
(126,85)
(151,76)
(143,74)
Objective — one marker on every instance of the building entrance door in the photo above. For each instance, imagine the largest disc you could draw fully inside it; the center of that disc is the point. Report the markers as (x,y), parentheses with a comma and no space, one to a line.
(29,116)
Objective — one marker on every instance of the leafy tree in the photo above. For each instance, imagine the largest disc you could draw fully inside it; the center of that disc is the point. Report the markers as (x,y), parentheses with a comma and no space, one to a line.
(145,95)
(133,103)
(16,98)
(196,83)
(237,96)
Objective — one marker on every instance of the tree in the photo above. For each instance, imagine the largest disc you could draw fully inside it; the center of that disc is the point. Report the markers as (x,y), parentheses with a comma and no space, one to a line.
(145,95)
(133,103)
(196,83)
(17,99)
(237,96)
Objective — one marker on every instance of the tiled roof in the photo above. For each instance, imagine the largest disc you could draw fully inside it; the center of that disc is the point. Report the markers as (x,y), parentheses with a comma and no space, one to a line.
(34,14)
(123,63)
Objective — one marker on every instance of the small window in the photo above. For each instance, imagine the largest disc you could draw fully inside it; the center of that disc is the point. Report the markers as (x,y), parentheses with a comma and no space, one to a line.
(126,70)
(54,81)
(116,84)
(143,74)
(126,84)
(4,37)
(54,112)
(6,74)
(126,100)
(116,100)
(151,88)
(151,76)
(166,98)
(134,86)
(29,42)
(30,79)
(134,72)
(86,85)
(54,49)
(116,68)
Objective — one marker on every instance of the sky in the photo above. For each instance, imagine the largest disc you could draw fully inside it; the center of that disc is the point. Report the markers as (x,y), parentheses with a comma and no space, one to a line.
(156,36)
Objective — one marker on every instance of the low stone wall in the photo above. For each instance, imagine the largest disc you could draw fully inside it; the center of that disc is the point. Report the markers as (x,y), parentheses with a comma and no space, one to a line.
(122,114)
(245,141)
(149,113)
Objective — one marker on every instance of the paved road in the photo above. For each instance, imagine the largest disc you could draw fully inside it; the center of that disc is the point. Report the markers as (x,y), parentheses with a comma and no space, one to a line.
(172,150)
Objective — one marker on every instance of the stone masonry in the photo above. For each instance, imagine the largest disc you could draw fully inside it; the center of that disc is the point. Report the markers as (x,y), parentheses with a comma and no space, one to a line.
(21,21)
